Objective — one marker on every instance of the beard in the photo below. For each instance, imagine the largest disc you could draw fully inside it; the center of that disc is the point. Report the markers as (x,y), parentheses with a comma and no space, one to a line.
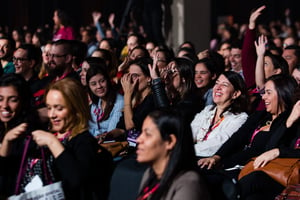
(56,70)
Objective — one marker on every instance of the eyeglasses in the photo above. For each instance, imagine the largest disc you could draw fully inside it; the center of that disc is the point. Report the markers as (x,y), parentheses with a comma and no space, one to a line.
(55,55)
(14,59)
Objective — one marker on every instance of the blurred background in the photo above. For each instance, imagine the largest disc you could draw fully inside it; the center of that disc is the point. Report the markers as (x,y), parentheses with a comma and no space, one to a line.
(183,19)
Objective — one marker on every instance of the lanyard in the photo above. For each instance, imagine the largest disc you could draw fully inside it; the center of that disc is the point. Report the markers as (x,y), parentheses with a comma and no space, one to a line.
(148,193)
(99,113)
(63,76)
(268,123)
(212,127)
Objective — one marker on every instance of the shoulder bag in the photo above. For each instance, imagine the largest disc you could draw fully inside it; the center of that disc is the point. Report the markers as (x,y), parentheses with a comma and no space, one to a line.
(50,191)
(283,170)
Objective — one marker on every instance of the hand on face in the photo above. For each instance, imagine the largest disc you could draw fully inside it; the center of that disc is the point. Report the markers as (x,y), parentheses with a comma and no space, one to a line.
(128,84)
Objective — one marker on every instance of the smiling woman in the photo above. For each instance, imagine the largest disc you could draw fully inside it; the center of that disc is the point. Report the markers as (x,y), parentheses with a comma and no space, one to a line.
(71,153)
(216,123)
(16,121)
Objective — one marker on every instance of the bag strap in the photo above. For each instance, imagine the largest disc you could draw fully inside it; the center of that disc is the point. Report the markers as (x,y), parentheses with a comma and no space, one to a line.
(47,179)
(22,166)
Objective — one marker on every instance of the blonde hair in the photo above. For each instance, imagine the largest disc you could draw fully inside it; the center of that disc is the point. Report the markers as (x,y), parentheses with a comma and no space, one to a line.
(76,102)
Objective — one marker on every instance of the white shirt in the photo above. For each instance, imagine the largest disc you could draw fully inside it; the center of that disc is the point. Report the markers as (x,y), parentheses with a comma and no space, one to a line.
(219,135)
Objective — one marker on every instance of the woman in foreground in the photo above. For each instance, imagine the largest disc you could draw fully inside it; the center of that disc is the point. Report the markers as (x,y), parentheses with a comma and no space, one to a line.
(166,144)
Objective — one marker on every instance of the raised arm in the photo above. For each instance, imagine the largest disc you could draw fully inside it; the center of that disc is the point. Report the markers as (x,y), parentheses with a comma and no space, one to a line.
(248,49)
(260,46)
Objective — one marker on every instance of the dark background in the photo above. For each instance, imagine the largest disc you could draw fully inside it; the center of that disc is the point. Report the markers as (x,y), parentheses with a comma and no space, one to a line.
(34,13)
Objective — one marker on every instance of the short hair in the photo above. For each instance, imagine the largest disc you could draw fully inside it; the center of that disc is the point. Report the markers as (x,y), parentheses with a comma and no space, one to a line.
(76,102)
(296,48)
(240,104)
(33,52)
(67,45)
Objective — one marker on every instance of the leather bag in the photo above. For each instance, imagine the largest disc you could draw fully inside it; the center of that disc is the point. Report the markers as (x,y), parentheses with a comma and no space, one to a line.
(283,170)
(115,148)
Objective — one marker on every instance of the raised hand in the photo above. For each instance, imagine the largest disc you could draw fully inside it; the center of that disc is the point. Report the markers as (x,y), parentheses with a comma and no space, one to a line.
(96,16)
(260,45)
(254,16)
(111,19)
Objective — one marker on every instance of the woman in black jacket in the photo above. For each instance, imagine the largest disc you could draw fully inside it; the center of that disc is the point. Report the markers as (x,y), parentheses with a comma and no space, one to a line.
(71,152)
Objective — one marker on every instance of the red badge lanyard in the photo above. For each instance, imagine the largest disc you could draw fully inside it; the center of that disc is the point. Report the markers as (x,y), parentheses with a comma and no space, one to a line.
(212,127)
(257,131)
(148,193)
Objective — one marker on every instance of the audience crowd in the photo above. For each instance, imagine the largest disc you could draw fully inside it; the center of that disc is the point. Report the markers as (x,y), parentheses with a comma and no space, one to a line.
(187,116)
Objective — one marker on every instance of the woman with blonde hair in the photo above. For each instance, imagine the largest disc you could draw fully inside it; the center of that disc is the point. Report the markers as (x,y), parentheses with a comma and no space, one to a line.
(70,150)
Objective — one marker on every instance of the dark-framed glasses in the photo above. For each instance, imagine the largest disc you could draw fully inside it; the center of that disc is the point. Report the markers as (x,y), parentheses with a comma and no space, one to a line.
(15,59)
(55,55)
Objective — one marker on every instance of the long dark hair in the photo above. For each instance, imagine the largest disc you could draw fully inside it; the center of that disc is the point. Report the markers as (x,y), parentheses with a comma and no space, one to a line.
(111,93)
(25,111)
(182,157)
(186,73)
(285,86)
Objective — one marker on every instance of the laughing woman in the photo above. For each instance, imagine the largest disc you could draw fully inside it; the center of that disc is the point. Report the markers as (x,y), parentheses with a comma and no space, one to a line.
(70,150)
(216,123)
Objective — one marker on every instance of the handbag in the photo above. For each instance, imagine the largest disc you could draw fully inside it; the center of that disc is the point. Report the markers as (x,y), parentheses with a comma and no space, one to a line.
(115,148)
(283,170)
(52,191)
(291,192)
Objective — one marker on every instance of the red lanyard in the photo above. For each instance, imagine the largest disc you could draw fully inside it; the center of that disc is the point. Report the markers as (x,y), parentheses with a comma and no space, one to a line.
(268,123)
(148,193)
(62,77)
(212,127)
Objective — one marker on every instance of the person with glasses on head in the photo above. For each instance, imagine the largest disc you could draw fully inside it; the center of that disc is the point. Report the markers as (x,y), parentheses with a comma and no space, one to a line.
(7,48)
